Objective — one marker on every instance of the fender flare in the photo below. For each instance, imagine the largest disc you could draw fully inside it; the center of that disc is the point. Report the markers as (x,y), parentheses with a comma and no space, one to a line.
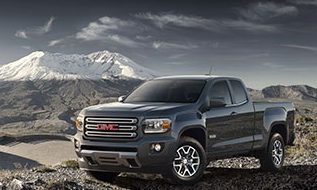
(189,127)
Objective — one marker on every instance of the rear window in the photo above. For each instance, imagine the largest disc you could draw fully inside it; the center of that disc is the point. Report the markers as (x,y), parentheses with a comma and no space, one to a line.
(221,90)
(239,93)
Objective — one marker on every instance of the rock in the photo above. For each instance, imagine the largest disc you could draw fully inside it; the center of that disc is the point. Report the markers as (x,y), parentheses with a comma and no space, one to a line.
(64,185)
(37,182)
(16,184)
(72,185)
(1,186)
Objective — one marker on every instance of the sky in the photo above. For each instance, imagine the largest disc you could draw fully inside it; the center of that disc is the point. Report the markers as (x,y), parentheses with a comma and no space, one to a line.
(263,42)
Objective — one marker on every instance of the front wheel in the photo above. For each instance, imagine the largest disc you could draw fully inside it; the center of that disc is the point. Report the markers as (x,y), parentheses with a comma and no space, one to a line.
(273,158)
(189,163)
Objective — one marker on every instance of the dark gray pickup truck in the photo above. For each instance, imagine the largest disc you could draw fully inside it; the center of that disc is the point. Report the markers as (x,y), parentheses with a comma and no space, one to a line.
(175,125)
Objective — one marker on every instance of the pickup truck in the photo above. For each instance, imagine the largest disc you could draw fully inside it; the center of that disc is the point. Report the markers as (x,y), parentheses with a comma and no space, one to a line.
(176,125)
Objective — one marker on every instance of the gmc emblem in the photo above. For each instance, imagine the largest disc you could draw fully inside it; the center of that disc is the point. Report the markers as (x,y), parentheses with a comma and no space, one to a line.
(108,127)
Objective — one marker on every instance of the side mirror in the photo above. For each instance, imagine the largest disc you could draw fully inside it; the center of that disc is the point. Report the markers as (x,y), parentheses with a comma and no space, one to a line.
(217,102)
(121,98)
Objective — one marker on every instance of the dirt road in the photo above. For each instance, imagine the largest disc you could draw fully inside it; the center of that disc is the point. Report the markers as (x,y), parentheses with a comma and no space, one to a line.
(31,151)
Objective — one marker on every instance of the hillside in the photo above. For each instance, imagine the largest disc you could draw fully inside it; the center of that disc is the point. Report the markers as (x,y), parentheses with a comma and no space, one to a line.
(42,91)
(304,97)
(294,92)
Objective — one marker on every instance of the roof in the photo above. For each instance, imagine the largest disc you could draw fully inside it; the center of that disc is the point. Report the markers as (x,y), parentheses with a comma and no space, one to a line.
(201,77)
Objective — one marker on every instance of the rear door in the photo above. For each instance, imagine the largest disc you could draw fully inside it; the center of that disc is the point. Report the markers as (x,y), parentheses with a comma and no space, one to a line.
(218,120)
(242,116)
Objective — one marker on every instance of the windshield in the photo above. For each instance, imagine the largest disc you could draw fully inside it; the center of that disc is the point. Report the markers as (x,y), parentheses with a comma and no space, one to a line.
(168,90)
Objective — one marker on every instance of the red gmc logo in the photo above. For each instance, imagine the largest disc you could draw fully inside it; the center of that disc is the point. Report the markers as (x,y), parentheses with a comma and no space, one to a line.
(108,127)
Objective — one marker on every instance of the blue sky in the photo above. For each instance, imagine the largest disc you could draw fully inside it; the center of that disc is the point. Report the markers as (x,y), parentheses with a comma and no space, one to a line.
(263,42)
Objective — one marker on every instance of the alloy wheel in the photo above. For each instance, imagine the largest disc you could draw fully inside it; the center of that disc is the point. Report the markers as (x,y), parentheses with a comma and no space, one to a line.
(277,152)
(186,162)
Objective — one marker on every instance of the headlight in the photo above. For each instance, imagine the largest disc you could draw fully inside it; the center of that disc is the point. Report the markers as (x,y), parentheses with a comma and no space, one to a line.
(79,123)
(156,125)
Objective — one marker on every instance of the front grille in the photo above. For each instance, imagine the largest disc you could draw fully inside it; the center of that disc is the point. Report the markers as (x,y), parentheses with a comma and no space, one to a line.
(125,127)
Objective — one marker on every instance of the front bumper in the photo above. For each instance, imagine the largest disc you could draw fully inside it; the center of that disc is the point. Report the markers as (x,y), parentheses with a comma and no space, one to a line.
(132,156)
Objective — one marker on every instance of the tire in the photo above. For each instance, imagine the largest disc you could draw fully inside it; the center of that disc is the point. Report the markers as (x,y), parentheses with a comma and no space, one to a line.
(188,164)
(103,176)
(272,158)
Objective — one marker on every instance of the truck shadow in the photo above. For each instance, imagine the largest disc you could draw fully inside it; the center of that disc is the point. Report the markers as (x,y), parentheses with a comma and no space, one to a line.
(290,177)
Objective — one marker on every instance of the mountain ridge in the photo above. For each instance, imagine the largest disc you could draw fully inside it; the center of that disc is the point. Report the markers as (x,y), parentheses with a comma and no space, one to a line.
(40,65)
(294,92)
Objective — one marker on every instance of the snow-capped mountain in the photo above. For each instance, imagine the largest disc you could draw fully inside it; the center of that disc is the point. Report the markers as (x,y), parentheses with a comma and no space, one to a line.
(41,65)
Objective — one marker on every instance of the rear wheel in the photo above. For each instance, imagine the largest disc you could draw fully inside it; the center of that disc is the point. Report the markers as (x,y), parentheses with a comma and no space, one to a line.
(103,176)
(189,163)
(273,158)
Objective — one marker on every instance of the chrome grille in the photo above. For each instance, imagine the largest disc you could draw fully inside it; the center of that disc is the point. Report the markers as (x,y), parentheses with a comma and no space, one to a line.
(126,127)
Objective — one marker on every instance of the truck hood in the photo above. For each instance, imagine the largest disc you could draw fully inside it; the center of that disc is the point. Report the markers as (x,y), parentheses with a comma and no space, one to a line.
(134,109)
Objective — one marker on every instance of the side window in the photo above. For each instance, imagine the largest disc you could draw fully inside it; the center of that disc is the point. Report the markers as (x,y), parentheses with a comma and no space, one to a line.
(238,91)
(221,90)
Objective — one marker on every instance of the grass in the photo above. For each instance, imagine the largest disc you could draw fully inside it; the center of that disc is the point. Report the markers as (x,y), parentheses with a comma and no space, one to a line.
(55,185)
(70,164)
(305,141)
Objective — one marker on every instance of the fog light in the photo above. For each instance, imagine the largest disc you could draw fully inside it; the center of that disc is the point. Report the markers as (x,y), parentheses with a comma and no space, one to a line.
(156,147)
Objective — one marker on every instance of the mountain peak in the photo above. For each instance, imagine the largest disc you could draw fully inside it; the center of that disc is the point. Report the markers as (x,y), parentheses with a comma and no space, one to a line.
(40,65)
(36,54)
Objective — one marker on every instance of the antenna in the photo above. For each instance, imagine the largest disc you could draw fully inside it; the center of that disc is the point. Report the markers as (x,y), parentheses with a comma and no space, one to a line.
(210,70)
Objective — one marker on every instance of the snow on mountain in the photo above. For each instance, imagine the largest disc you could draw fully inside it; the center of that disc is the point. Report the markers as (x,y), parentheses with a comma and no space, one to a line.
(99,65)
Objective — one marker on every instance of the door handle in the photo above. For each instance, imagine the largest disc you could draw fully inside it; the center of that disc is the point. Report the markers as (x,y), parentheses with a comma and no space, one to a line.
(233,113)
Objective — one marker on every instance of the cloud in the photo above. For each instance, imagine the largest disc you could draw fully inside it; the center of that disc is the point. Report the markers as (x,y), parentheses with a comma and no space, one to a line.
(26,47)
(55,42)
(97,30)
(21,34)
(273,65)
(215,45)
(304,2)
(175,63)
(179,20)
(146,37)
(35,31)
(280,67)
(177,56)
(106,29)
(308,48)
(253,56)
(122,40)
(216,25)
(167,45)
(265,11)
(47,27)
(249,26)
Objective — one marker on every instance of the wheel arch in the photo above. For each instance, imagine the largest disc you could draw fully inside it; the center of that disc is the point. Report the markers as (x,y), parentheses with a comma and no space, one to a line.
(281,128)
(197,132)
(275,120)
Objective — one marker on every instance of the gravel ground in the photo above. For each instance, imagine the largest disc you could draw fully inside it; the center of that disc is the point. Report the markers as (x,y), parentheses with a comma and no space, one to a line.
(300,172)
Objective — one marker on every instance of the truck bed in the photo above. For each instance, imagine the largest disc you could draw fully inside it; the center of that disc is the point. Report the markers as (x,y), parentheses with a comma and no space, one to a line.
(263,105)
